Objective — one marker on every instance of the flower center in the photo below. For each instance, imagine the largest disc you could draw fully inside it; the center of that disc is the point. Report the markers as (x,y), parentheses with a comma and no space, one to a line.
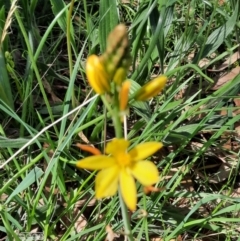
(123,159)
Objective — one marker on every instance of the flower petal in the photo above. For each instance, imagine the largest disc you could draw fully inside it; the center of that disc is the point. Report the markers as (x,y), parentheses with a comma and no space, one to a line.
(106,182)
(96,162)
(144,150)
(117,146)
(128,189)
(145,172)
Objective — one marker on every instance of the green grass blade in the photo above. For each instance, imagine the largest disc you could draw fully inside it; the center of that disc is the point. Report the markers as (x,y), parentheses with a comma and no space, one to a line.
(108,20)
(12,143)
(30,178)
(218,36)
(5,86)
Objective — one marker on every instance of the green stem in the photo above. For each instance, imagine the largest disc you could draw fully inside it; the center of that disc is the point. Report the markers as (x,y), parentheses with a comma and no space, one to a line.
(69,49)
(117,123)
(126,222)
(119,134)
(69,38)
(116,117)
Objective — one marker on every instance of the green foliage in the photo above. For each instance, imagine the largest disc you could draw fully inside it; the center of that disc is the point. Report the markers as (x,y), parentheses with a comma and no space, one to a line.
(5,86)
(108,14)
(46,108)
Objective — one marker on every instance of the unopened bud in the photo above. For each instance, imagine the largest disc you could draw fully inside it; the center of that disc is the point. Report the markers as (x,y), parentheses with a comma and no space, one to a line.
(123,95)
(151,89)
(117,54)
(97,75)
(120,75)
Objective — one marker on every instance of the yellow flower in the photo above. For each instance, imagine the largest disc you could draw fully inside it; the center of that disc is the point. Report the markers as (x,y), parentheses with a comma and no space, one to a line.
(151,89)
(97,75)
(120,169)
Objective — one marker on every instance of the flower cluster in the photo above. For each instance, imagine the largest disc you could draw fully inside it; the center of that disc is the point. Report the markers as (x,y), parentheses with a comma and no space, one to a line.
(118,169)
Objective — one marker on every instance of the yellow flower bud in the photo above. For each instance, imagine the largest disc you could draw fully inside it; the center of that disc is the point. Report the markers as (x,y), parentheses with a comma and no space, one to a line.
(120,75)
(97,75)
(123,95)
(151,89)
(88,148)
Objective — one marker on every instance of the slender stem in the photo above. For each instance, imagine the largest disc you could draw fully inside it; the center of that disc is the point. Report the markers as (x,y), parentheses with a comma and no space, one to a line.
(117,123)
(126,222)
(69,38)
(116,117)
(115,114)
(69,49)
(119,134)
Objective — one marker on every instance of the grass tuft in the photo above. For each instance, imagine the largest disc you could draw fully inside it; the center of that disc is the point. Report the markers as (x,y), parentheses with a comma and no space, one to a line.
(48,110)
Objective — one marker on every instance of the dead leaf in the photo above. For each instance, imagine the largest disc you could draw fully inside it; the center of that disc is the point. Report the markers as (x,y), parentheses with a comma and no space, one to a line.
(237,101)
(142,213)
(235,193)
(226,78)
(83,137)
(110,234)
(3,197)
(237,104)
(190,57)
(223,173)
(226,64)
(203,62)
(82,202)
(237,128)
(81,222)
(50,91)
(221,2)
(179,238)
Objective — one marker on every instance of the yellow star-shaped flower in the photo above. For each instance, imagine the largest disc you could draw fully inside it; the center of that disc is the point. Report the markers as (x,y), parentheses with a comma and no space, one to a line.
(121,169)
